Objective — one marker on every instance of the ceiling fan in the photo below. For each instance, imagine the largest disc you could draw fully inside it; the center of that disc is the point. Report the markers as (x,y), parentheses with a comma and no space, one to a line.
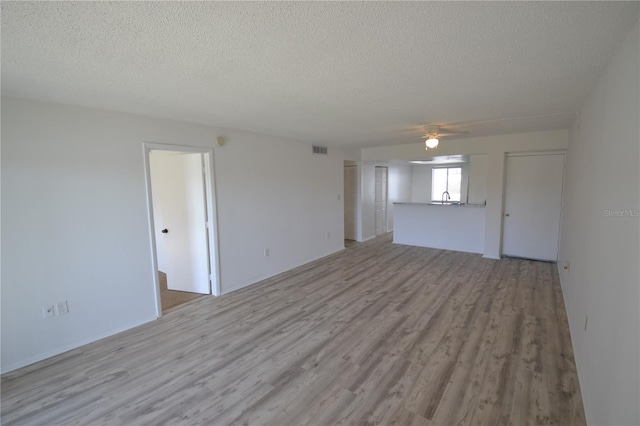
(434,132)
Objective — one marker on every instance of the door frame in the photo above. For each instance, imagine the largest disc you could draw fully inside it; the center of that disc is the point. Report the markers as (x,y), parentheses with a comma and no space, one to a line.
(212,217)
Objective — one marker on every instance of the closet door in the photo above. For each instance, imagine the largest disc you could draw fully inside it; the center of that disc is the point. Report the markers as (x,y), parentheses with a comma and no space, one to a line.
(533,201)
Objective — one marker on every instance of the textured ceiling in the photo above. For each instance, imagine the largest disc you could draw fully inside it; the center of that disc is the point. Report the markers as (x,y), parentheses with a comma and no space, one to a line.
(337,73)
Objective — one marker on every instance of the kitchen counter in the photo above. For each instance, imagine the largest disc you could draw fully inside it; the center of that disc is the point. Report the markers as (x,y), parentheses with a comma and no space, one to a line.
(447,204)
(458,227)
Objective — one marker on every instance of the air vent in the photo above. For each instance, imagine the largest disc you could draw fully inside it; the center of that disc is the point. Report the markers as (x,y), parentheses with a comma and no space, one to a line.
(320,150)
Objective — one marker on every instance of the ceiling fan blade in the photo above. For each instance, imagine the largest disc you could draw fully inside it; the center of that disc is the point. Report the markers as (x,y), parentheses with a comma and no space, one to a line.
(414,129)
(450,133)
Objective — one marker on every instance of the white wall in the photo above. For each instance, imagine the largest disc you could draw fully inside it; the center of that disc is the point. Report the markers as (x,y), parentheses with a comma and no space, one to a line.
(75,219)
(603,281)
(275,194)
(458,228)
(496,148)
(421,183)
(399,189)
(478,169)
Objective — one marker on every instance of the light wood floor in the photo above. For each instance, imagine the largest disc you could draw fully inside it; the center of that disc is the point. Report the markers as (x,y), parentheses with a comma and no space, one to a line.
(376,334)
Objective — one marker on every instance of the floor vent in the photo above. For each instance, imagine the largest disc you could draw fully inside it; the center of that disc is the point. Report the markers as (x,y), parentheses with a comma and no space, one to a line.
(319,150)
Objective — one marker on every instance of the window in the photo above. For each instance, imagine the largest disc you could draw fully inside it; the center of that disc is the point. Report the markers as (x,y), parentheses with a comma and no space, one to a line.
(447,179)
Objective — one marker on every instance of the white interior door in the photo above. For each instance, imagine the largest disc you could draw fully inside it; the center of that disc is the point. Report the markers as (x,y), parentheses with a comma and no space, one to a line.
(533,201)
(179,207)
(350,191)
(381,200)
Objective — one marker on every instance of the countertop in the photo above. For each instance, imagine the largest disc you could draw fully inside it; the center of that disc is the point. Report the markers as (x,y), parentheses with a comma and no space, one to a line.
(442,205)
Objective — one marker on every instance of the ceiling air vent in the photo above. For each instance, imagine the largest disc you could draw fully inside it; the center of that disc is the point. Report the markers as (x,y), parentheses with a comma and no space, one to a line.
(320,150)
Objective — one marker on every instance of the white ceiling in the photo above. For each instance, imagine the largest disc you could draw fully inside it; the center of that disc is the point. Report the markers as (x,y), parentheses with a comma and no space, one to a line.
(336,73)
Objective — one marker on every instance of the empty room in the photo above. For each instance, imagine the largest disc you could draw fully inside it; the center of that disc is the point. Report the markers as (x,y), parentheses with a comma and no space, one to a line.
(320,213)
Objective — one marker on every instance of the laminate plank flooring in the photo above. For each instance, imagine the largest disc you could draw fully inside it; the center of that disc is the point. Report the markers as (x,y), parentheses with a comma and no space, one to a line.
(376,334)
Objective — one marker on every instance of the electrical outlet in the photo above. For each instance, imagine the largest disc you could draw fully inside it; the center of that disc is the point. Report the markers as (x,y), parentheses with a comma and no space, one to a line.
(48,312)
(266,252)
(62,308)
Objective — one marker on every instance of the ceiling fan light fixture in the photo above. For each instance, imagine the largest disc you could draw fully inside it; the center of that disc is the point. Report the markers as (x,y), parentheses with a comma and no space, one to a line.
(431,142)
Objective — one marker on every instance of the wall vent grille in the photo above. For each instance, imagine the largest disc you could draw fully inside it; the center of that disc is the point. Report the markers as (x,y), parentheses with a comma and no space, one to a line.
(322,150)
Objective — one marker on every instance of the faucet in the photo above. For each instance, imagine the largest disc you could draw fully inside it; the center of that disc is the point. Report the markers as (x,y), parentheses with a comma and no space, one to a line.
(448,196)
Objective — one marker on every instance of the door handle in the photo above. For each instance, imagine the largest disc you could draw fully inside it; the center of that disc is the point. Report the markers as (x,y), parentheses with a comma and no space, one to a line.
(165,231)
(506,214)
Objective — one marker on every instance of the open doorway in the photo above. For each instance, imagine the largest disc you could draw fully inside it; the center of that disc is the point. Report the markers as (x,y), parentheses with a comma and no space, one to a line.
(350,203)
(381,178)
(182,224)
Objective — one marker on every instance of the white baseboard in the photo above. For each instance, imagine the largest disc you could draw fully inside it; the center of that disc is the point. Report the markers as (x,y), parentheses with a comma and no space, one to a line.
(491,257)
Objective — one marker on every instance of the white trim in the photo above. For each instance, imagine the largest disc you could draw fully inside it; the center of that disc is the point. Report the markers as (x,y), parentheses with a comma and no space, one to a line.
(212,216)
(564,171)
(154,257)
(72,346)
(491,257)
